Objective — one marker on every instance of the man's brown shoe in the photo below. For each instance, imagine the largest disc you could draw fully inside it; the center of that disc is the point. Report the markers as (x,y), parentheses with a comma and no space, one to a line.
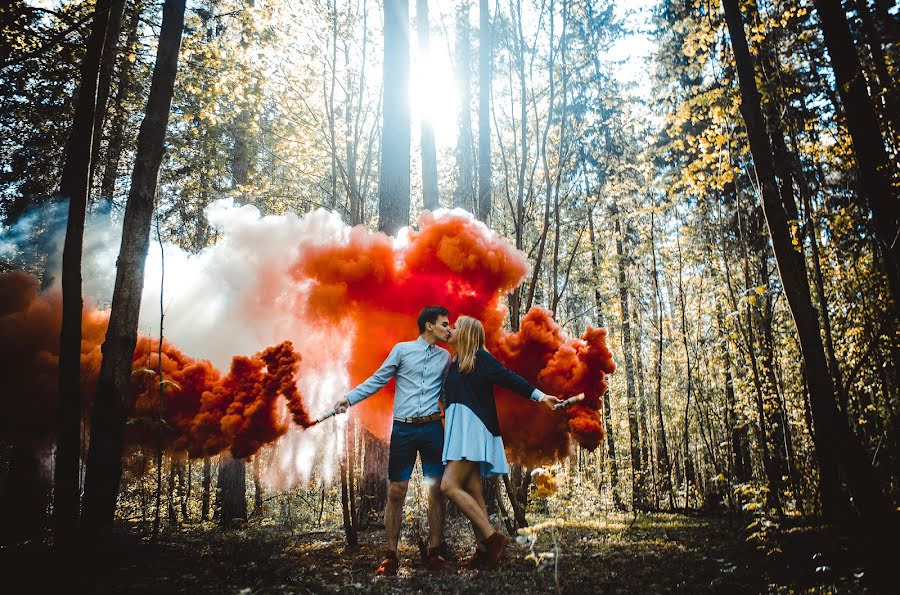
(476,562)
(494,546)
(390,565)
(435,562)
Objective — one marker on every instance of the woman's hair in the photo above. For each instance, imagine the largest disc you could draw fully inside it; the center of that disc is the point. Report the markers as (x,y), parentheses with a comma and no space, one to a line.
(469,339)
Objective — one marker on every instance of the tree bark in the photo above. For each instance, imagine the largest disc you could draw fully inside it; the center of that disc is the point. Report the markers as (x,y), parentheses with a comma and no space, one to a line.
(257,487)
(104,79)
(773,495)
(373,489)
(665,465)
(205,484)
(689,378)
(171,512)
(607,398)
(104,469)
(393,203)
(464,195)
(125,87)
(832,437)
(875,168)
(485,43)
(430,197)
(350,533)
(515,300)
(231,490)
(74,188)
(637,479)
(885,96)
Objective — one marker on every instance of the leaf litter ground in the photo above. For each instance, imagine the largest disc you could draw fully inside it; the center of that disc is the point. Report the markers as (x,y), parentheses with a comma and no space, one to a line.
(655,553)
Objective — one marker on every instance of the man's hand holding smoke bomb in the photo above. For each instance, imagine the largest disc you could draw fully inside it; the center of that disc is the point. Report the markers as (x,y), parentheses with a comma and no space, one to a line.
(341,406)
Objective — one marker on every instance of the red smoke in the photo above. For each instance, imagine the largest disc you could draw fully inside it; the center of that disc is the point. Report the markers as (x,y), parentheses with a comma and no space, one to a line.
(455,261)
(240,411)
(559,365)
(368,285)
(202,412)
(30,324)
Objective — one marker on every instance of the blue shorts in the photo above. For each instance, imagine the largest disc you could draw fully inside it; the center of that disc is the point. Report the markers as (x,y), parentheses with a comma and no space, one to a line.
(409,439)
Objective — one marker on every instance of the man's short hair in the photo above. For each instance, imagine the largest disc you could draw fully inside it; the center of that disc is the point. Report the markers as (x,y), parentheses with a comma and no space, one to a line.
(430,314)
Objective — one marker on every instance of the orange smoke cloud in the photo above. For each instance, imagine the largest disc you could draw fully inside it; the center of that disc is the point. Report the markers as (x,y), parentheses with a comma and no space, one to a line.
(203,413)
(30,323)
(240,412)
(559,365)
(340,281)
(455,261)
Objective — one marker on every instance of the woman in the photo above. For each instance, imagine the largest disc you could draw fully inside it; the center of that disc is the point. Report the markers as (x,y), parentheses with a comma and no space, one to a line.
(473,447)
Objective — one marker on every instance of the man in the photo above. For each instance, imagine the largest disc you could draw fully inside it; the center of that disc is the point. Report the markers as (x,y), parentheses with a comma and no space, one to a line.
(419,368)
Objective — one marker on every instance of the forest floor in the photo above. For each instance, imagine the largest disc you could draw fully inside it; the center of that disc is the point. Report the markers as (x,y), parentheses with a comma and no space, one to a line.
(654,553)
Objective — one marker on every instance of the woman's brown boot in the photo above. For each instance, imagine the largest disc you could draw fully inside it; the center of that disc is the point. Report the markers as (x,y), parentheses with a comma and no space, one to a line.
(493,549)
(476,562)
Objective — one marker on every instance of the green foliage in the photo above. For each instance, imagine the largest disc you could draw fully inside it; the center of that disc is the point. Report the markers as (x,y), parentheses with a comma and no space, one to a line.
(40,55)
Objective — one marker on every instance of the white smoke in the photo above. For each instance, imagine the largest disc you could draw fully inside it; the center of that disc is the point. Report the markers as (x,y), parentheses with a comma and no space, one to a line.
(236,297)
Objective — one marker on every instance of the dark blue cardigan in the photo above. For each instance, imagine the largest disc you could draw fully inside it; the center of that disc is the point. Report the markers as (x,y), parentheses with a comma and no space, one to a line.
(476,389)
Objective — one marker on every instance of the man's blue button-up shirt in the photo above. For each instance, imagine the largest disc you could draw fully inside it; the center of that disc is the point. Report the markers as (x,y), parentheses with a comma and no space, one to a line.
(419,369)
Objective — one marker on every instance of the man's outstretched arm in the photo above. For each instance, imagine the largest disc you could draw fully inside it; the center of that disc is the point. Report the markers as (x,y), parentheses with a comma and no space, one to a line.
(373,383)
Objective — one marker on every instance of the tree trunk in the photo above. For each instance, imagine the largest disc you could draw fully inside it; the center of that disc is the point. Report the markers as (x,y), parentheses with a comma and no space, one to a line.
(350,532)
(104,468)
(515,301)
(74,188)
(607,398)
(231,490)
(832,437)
(611,451)
(464,195)
(518,512)
(257,487)
(875,168)
(171,512)
(740,465)
(117,131)
(184,489)
(637,495)
(682,301)
(665,465)
(393,203)
(773,498)
(886,96)
(430,196)
(104,79)
(205,485)
(545,135)
(642,397)
(352,453)
(485,43)
(373,488)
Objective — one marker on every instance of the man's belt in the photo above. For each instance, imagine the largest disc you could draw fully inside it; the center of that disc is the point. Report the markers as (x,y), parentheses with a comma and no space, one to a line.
(419,420)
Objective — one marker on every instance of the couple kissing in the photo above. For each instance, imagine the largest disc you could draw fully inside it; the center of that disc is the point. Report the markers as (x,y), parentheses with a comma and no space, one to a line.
(456,454)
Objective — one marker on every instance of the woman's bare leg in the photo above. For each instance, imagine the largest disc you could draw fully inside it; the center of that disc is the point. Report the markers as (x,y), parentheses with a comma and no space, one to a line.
(474,489)
(453,484)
